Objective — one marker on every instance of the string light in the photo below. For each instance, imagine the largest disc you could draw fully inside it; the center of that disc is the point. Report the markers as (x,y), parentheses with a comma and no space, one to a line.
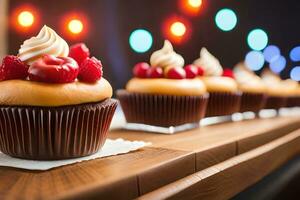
(295,54)
(195,3)
(254,60)
(75,26)
(226,19)
(178,29)
(140,40)
(278,64)
(25,19)
(190,7)
(257,39)
(295,73)
(271,53)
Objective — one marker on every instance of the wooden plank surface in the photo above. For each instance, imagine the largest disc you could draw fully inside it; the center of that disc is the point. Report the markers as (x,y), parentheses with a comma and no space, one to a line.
(99,177)
(216,143)
(170,158)
(226,179)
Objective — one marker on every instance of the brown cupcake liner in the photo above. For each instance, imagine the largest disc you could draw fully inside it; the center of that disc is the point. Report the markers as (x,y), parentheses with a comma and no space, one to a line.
(162,110)
(275,102)
(223,103)
(52,133)
(253,102)
(293,101)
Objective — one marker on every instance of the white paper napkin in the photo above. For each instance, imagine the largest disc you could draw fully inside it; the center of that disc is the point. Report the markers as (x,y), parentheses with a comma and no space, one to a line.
(110,148)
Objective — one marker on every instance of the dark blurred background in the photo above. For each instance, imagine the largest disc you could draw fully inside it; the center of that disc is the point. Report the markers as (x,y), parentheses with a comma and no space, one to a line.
(109,23)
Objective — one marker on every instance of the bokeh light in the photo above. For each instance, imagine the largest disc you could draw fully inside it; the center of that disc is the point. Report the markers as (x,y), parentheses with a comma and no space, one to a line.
(295,73)
(195,3)
(75,26)
(190,7)
(278,64)
(257,39)
(178,29)
(226,19)
(295,54)
(271,53)
(254,60)
(26,18)
(140,40)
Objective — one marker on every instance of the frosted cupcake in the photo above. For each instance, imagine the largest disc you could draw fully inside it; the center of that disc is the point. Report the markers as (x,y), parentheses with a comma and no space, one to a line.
(292,90)
(52,106)
(276,91)
(161,95)
(224,97)
(252,87)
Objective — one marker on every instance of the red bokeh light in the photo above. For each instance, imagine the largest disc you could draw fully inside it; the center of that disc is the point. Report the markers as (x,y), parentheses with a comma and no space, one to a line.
(191,7)
(176,29)
(75,26)
(25,18)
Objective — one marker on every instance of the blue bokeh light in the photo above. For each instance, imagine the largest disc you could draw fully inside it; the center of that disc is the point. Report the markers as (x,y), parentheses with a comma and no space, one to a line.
(140,40)
(295,73)
(257,39)
(278,65)
(226,19)
(295,54)
(254,60)
(271,53)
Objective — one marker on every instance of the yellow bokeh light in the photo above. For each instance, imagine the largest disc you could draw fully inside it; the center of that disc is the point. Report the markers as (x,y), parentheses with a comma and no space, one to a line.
(195,3)
(75,26)
(178,29)
(25,18)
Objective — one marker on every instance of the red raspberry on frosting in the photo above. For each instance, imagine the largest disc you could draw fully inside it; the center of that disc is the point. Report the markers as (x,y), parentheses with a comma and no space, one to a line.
(228,73)
(79,52)
(13,68)
(90,70)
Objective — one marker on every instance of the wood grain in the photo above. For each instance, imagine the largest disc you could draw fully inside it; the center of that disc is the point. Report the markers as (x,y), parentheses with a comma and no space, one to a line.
(216,143)
(224,180)
(96,178)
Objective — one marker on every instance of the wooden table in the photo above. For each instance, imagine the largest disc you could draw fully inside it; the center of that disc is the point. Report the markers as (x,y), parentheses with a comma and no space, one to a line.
(213,162)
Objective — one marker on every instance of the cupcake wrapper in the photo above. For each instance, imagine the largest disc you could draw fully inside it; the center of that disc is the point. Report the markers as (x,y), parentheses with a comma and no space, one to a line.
(223,103)
(252,102)
(52,133)
(162,110)
(293,101)
(275,102)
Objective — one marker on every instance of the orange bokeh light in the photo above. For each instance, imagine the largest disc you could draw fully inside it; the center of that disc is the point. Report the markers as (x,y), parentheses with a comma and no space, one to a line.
(190,7)
(25,18)
(176,29)
(74,25)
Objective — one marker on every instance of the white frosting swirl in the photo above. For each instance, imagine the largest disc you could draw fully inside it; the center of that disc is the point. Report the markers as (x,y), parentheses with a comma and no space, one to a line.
(46,42)
(166,57)
(245,76)
(270,78)
(209,63)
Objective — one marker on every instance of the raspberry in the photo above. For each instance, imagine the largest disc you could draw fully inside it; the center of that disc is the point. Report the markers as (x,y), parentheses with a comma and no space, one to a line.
(228,73)
(51,69)
(155,72)
(13,68)
(176,73)
(79,52)
(191,71)
(90,70)
(140,70)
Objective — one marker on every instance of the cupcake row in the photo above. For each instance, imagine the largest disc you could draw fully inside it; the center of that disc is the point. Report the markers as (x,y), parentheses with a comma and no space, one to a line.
(166,92)
(55,104)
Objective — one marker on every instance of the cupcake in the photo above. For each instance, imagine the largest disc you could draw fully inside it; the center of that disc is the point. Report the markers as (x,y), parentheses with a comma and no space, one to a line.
(252,87)
(292,90)
(161,95)
(224,97)
(53,106)
(276,91)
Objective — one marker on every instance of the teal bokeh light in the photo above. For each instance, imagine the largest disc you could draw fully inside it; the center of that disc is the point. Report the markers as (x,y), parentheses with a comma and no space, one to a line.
(257,39)
(226,19)
(140,40)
